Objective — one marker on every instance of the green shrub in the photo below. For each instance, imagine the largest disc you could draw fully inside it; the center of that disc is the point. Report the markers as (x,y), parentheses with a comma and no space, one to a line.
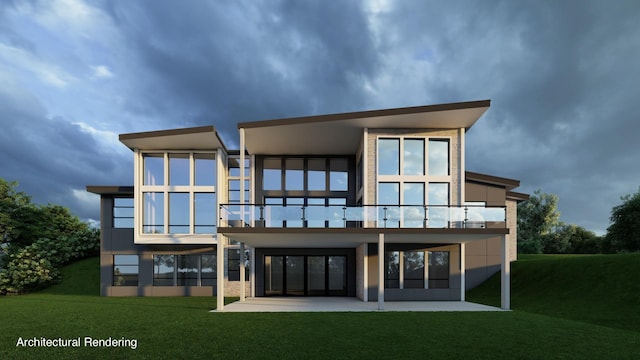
(27,270)
(37,266)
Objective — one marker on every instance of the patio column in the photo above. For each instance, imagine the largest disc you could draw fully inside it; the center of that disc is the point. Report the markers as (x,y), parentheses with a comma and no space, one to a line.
(252,272)
(365,275)
(242,270)
(220,273)
(505,275)
(381,271)
(463,285)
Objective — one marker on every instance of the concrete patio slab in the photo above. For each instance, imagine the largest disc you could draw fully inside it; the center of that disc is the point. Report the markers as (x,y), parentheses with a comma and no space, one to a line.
(346,304)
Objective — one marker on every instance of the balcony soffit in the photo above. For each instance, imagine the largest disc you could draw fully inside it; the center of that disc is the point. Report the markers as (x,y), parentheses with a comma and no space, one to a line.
(341,133)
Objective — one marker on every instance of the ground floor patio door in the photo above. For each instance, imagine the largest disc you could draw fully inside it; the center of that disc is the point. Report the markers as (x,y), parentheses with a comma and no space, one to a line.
(305,275)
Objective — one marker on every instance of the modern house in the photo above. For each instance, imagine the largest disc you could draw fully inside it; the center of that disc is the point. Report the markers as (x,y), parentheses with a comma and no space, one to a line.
(376,205)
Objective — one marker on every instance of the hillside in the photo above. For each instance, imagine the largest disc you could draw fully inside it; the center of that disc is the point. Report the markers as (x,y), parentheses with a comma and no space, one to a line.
(598,289)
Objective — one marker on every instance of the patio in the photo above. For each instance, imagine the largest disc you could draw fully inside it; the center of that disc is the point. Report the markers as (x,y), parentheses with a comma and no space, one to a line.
(346,304)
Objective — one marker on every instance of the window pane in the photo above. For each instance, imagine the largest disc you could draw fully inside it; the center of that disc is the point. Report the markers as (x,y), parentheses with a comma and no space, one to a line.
(163,270)
(316,213)
(153,213)
(123,213)
(188,270)
(179,213)
(438,195)
(413,160)
(414,269)
(123,202)
(392,269)
(179,169)
(293,212)
(339,175)
(389,156)
(205,169)
(439,269)
(125,270)
(413,194)
(234,166)
(316,179)
(294,174)
(208,272)
(388,199)
(438,157)
(272,174)
(336,212)
(153,169)
(205,213)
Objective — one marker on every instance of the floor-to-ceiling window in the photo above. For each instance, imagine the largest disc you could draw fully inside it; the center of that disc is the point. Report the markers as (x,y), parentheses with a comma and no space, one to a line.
(413,182)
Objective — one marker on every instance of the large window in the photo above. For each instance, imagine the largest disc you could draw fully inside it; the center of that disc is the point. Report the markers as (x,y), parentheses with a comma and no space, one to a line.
(413,174)
(123,213)
(416,269)
(178,193)
(184,270)
(125,270)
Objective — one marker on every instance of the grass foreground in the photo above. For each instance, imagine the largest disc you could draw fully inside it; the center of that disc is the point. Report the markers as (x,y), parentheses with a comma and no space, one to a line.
(184,327)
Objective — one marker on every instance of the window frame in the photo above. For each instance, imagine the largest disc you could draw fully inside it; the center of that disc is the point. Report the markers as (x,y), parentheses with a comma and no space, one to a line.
(426,178)
(162,231)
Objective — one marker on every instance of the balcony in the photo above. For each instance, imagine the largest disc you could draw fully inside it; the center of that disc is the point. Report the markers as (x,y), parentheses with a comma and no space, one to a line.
(373,216)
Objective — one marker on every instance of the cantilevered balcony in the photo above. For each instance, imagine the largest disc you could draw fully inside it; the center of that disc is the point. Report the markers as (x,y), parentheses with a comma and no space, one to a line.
(374,216)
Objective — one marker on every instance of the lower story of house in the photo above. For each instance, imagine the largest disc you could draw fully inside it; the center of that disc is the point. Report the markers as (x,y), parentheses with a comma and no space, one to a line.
(410,271)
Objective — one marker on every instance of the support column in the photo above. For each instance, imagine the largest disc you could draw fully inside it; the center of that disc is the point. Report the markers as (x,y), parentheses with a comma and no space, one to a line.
(365,275)
(381,272)
(505,275)
(252,272)
(463,285)
(242,272)
(220,273)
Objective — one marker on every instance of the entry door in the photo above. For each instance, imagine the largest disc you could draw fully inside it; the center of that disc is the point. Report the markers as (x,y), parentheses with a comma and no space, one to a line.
(309,275)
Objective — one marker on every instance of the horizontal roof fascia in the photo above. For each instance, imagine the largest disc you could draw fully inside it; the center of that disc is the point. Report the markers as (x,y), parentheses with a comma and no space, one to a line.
(194,138)
(110,190)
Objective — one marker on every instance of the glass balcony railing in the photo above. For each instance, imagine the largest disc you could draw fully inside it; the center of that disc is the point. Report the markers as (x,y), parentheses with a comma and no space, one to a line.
(373,216)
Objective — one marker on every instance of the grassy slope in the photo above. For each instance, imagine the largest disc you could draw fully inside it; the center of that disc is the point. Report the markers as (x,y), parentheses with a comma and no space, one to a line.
(598,289)
(183,328)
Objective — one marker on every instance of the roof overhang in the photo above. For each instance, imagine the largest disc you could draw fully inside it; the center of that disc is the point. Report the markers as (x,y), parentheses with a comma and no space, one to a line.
(349,238)
(195,138)
(340,134)
(110,190)
(506,183)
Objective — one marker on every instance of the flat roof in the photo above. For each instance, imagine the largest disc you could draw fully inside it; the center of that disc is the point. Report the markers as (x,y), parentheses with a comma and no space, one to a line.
(340,134)
(110,190)
(507,183)
(194,138)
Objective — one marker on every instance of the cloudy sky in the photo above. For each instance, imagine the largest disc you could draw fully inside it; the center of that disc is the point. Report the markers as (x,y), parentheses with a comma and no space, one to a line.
(563,78)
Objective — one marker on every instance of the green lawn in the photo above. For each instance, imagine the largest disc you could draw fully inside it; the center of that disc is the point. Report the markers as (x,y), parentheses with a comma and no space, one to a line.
(184,328)
(598,289)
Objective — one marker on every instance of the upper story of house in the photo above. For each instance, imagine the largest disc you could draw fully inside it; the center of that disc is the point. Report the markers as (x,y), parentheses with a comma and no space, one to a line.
(394,168)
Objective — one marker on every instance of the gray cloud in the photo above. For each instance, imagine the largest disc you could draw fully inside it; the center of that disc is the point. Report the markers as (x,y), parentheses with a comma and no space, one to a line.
(561,76)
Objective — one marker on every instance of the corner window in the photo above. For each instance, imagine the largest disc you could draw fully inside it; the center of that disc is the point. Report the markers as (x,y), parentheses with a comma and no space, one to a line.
(125,270)
(179,207)
(123,213)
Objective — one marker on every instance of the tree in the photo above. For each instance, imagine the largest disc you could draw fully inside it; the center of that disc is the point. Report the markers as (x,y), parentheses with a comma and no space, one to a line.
(537,217)
(12,209)
(624,232)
